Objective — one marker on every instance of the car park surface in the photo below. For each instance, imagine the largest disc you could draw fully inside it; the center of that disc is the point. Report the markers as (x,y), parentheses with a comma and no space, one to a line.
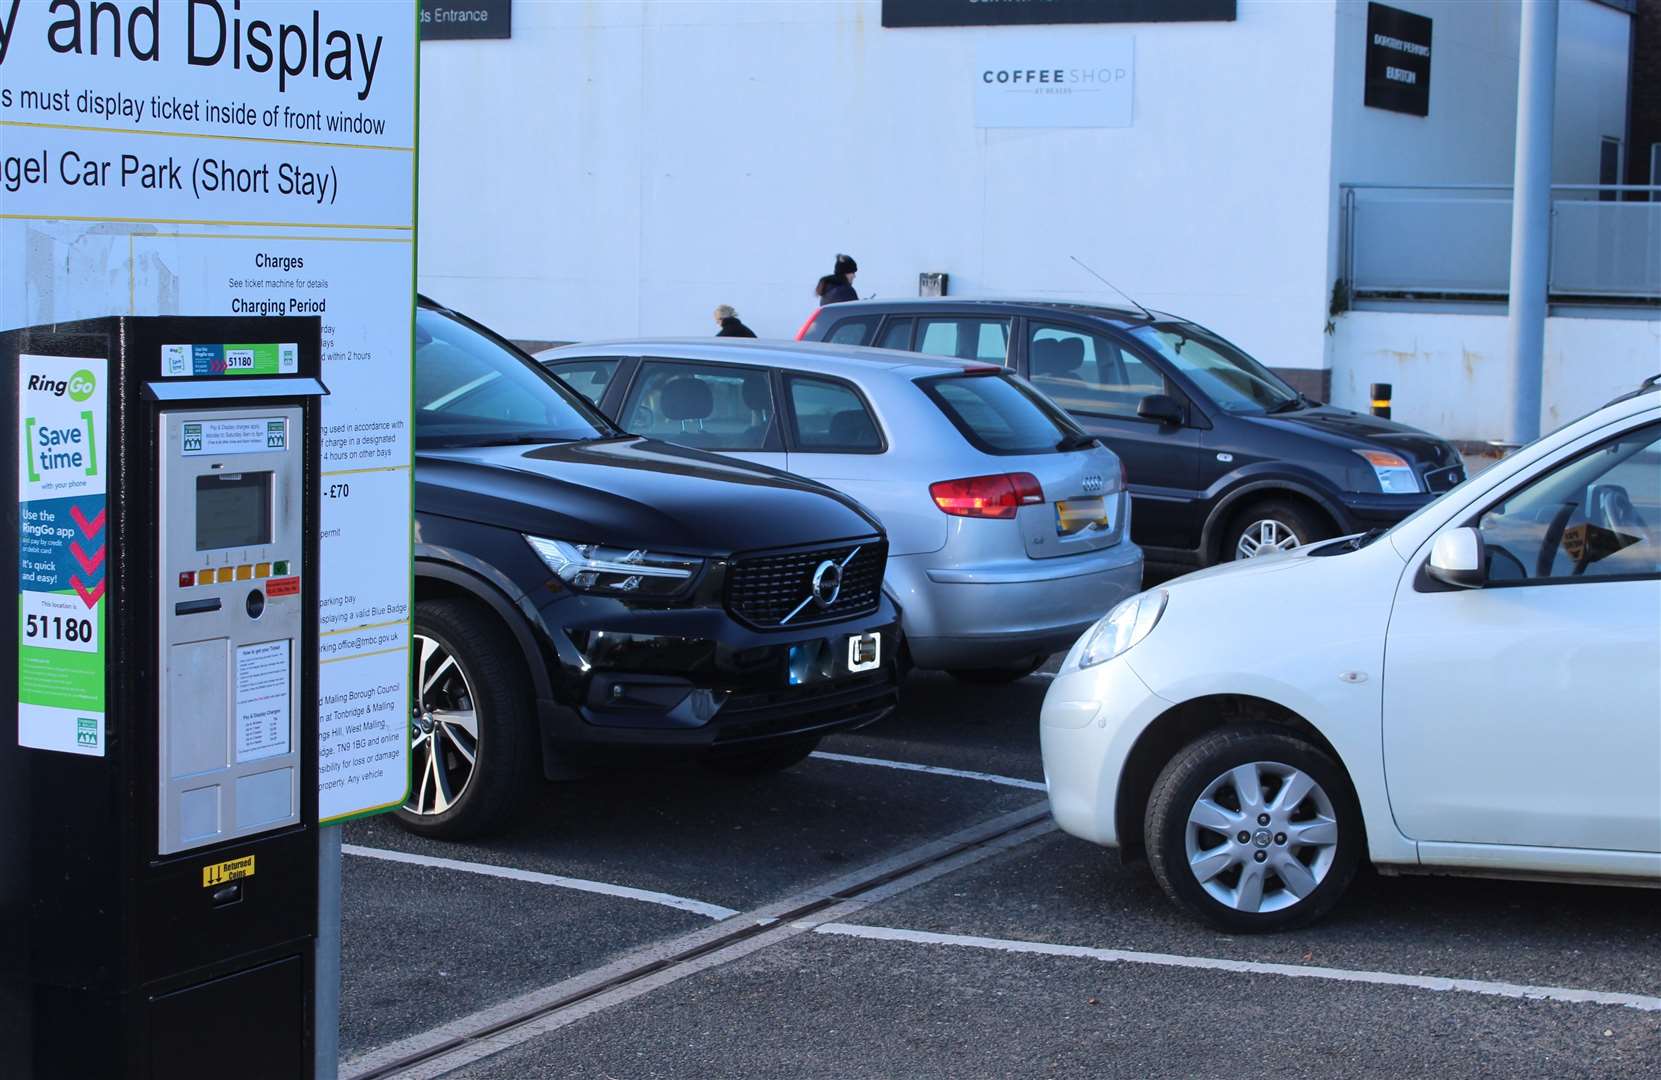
(1224,458)
(930,978)
(1008,526)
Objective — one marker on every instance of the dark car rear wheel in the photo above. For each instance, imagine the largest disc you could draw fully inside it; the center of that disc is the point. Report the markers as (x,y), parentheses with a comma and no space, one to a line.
(763,760)
(1253,830)
(1272,525)
(473,747)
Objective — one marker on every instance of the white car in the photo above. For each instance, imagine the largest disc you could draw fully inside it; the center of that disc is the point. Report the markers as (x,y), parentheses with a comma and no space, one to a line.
(1475,691)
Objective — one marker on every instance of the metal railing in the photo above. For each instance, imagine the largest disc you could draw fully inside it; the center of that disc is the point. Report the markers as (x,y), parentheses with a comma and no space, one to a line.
(1453,242)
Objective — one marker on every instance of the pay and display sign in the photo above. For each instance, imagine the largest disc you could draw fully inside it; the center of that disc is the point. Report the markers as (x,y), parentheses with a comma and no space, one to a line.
(61,554)
(230,157)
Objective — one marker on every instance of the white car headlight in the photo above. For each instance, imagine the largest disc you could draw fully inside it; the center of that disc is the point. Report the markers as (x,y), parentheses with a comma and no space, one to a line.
(1395,475)
(613,570)
(1128,623)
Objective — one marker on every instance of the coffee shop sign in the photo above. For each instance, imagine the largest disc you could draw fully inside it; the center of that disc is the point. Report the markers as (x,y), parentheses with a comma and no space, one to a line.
(1055,83)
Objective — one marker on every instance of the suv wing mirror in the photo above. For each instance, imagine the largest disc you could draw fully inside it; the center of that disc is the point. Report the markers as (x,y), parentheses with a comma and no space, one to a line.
(1458,559)
(1163,408)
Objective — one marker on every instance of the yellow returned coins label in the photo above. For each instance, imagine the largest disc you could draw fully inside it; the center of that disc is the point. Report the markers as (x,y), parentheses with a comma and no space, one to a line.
(220,873)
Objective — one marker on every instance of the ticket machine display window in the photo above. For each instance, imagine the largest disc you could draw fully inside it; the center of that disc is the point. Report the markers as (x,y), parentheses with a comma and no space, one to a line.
(233,510)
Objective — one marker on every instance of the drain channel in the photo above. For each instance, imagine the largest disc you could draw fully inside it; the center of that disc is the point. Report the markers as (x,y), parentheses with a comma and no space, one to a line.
(753,928)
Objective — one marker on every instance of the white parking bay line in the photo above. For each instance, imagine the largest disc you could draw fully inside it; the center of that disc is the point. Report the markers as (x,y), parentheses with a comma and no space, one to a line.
(697,907)
(935,770)
(1251,967)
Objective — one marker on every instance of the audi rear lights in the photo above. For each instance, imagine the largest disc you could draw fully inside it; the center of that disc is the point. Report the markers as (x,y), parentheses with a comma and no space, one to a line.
(987,496)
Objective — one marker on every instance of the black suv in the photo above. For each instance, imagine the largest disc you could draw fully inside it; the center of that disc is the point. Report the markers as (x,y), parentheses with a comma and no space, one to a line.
(1224,459)
(580,592)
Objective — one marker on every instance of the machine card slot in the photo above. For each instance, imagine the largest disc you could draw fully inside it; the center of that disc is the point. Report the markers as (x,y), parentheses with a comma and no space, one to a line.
(196,607)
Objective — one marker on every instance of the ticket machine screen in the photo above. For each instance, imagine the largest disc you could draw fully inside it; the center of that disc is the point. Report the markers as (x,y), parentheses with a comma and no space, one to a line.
(233,510)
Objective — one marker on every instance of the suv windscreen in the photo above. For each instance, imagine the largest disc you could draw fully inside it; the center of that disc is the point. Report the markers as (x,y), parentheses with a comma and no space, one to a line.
(1236,382)
(472,391)
(1002,414)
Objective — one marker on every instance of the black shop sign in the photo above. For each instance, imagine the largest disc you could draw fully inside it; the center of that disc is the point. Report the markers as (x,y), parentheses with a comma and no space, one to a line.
(443,20)
(1398,60)
(897,13)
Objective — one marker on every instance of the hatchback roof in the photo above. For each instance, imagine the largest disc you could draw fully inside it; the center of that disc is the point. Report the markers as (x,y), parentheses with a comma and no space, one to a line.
(1004,305)
(814,356)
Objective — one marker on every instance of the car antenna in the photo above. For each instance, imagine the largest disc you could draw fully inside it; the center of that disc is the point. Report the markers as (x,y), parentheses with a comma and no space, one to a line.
(1145,312)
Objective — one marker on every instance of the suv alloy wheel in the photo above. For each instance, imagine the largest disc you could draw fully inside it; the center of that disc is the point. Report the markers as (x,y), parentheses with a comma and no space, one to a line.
(472,740)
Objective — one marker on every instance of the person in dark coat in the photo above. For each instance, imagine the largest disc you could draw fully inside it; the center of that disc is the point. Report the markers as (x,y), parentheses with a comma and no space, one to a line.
(727,319)
(838,285)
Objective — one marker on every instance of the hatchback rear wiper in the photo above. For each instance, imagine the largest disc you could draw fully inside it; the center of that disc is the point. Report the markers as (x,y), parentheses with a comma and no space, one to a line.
(1079,441)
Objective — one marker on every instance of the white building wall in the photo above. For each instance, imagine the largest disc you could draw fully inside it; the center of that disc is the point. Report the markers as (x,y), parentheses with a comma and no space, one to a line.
(1452,372)
(1470,135)
(621,167)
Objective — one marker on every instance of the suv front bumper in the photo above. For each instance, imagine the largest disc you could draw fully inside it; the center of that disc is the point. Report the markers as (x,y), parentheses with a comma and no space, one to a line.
(695,679)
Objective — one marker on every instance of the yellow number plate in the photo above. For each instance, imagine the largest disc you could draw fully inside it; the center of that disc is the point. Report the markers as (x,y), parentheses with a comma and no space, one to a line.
(1076,515)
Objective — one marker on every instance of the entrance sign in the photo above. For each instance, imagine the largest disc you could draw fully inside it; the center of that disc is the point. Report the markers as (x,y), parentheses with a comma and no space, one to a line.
(1054,81)
(1398,61)
(61,455)
(211,157)
(470,19)
(899,13)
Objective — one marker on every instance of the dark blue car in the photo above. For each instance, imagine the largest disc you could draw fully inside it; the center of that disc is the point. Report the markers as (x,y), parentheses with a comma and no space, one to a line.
(1224,459)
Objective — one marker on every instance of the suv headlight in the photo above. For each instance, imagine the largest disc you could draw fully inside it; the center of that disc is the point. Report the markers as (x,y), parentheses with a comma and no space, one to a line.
(1129,622)
(1395,475)
(615,570)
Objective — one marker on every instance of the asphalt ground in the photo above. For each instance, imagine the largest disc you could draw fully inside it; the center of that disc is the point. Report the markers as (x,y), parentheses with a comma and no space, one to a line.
(1024,953)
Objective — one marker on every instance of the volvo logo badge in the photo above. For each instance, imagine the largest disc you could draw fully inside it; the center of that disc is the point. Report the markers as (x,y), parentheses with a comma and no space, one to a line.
(1092,483)
(827,583)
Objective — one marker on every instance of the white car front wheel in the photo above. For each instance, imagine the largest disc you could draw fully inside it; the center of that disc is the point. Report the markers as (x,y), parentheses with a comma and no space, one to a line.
(1253,829)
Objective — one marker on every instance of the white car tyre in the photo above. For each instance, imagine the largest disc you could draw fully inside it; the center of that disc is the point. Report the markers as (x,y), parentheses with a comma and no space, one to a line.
(1253,829)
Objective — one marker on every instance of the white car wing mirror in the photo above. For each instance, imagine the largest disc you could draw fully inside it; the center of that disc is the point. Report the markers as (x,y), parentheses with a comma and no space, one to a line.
(1457,559)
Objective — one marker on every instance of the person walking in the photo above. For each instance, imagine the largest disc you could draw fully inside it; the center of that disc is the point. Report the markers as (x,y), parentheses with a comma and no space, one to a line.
(838,285)
(727,319)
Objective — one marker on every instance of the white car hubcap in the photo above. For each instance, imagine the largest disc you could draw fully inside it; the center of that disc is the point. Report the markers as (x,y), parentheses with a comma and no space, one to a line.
(1261,837)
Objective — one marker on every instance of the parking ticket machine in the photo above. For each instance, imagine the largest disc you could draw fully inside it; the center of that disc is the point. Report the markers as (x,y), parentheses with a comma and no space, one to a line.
(159,869)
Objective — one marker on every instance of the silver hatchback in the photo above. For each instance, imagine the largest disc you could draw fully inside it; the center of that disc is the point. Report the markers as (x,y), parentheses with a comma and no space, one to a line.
(1008,526)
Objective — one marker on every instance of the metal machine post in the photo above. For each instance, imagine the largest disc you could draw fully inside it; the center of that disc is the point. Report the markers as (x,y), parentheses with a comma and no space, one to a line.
(1531,214)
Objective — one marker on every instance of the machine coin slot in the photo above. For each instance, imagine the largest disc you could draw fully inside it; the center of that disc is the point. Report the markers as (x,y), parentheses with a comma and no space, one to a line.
(196,607)
(255,604)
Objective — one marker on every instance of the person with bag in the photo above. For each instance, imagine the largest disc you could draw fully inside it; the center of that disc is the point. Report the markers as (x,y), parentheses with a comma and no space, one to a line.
(838,285)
